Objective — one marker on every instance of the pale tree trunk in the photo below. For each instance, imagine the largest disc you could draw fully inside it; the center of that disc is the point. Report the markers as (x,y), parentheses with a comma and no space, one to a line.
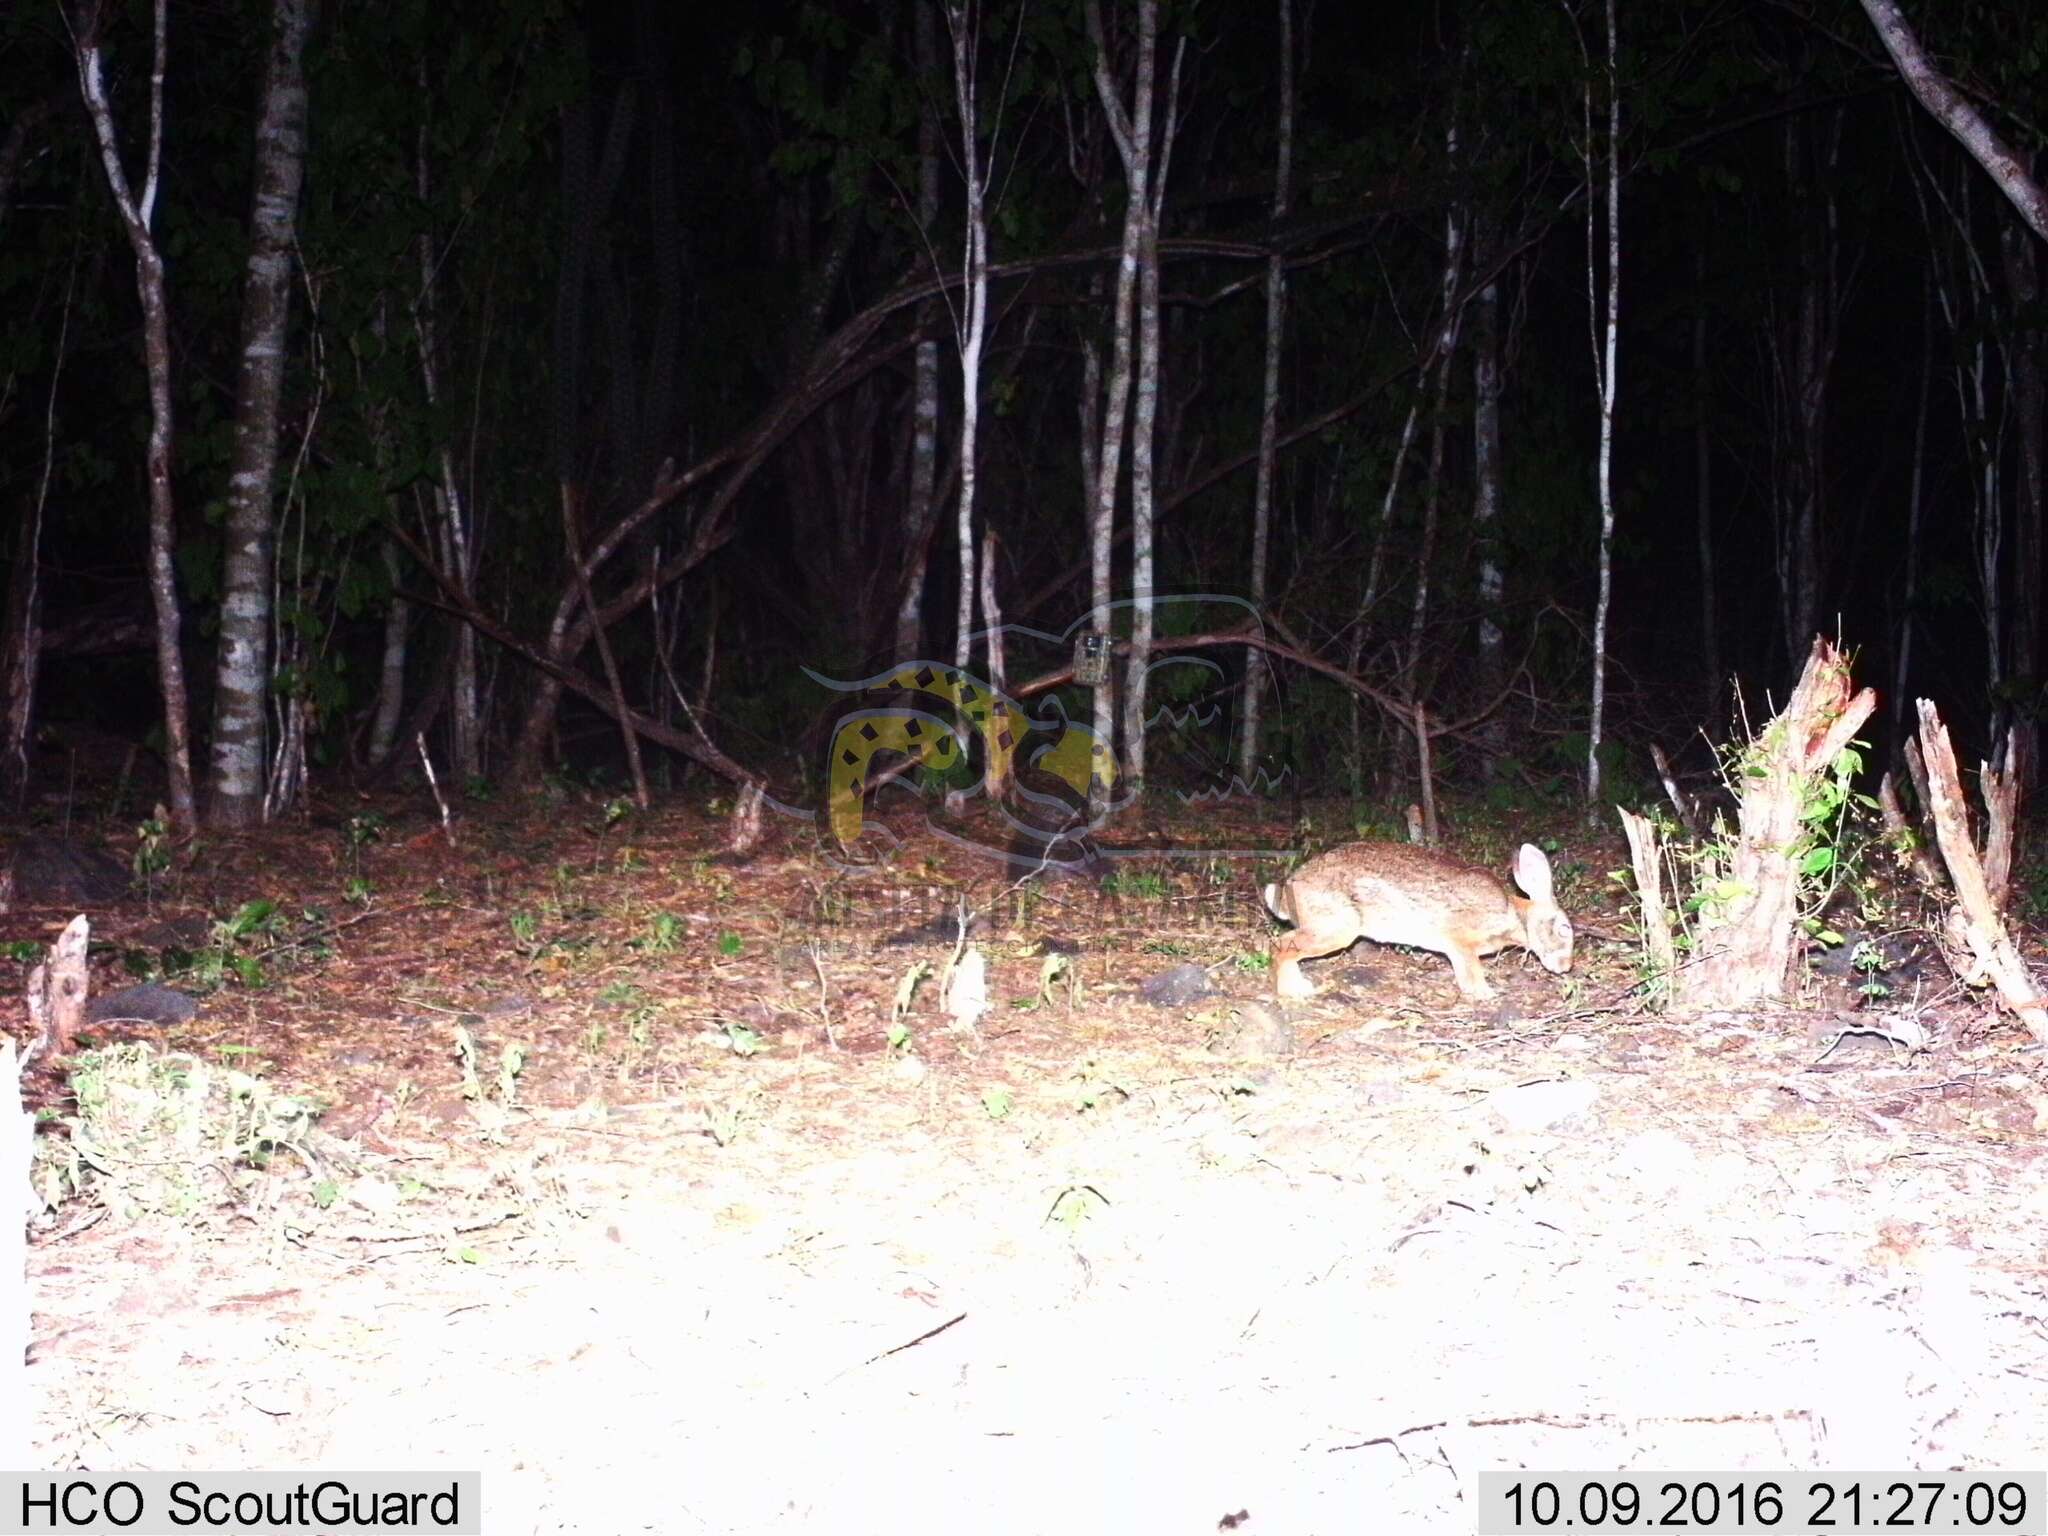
(1703,489)
(971,331)
(1101,513)
(1144,430)
(242,679)
(136,215)
(919,511)
(451,533)
(1915,506)
(1145,191)
(1604,360)
(1144,420)
(391,671)
(1486,502)
(1447,347)
(2022,344)
(1117,399)
(1255,664)
(992,616)
(1959,115)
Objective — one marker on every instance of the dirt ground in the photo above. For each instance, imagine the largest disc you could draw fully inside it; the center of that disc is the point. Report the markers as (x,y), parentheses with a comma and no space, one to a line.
(732,1257)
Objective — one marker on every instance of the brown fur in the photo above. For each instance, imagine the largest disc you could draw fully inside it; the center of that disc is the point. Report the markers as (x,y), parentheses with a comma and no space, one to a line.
(1398,893)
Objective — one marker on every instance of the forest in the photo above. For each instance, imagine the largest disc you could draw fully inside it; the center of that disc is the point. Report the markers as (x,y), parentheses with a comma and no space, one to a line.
(464,381)
(1027,765)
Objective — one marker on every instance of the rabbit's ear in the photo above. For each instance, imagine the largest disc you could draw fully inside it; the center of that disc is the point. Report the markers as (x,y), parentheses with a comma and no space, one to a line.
(1532,872)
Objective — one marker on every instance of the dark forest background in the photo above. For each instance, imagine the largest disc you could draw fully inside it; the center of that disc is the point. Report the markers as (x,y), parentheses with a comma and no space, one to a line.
(662,285)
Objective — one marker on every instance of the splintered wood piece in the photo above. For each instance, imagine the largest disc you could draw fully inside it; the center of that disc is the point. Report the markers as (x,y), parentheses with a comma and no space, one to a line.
(1648,859)
(743,831)
(57,990)
(2001,791)
(1916,770)
(1982,930)
(1904,833)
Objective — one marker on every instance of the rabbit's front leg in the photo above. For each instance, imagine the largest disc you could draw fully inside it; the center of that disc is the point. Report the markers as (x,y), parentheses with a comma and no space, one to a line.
(1471,975)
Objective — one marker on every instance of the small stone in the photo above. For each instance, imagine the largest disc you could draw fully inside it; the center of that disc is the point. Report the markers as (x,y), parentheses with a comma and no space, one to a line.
(1256,1030)
(149,1003)
(1177,986)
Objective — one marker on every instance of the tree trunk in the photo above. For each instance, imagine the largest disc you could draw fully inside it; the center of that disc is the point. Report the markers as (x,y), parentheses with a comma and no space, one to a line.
(1447,348)
(1604,373)
(1915,507)
(1703,492)
(1116,405)
(21,657)
(1486,501)
(972,337)
(1959,115)
(1806,364)
(1101,515)
(1970,314)
(1255,664)
(2022,343)
(21,653)
(136,215)
(1145,172)
(920,509)
(391,670)
(451,530)
(242,678)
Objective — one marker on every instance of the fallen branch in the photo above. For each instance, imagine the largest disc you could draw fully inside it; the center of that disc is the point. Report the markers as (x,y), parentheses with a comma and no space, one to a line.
(433,783)
(1688,814)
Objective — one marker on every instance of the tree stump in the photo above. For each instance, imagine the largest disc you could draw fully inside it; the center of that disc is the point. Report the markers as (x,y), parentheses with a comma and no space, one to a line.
(1746,943)
(58,990)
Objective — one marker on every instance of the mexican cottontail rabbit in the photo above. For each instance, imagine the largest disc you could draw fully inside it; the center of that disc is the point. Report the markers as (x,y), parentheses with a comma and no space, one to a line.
(1397,893)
